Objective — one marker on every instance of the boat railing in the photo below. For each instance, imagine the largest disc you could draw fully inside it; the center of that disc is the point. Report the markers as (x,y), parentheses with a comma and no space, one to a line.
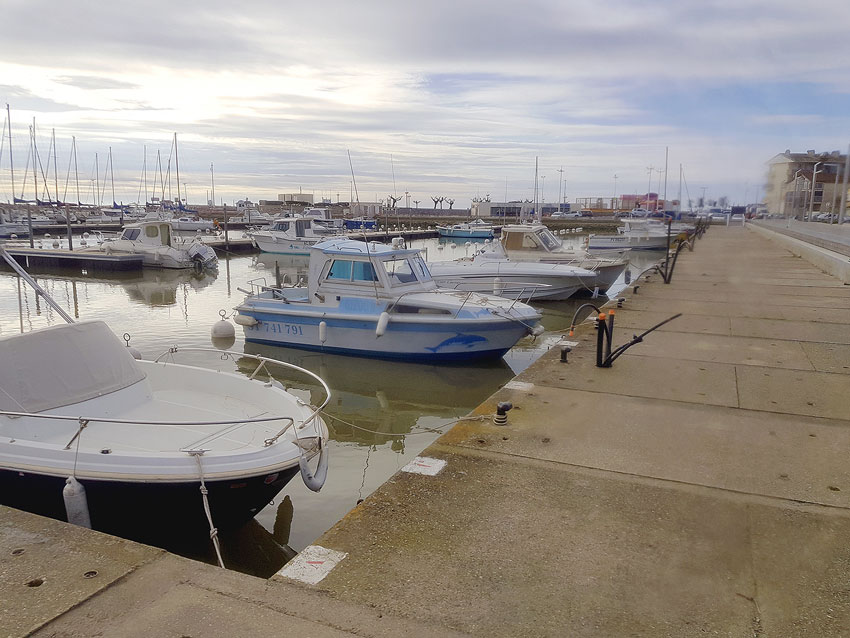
(261,367)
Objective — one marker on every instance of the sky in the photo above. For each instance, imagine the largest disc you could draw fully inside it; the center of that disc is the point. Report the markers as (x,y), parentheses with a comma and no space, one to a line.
(436,99)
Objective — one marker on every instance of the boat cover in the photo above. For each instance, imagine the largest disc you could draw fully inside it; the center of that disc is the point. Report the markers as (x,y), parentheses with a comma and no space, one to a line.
(62,365)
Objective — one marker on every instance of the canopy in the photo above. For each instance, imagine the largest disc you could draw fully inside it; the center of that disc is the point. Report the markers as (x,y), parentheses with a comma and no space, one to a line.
(62,365)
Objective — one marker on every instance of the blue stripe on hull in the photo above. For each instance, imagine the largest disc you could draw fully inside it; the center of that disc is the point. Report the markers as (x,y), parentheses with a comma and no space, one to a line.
(446,357)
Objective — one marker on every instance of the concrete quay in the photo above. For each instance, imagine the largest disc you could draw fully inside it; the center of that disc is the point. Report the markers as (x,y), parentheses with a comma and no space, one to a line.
(698,487)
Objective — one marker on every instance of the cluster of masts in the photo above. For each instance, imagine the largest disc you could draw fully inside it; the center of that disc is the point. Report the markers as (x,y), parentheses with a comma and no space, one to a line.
(37,175)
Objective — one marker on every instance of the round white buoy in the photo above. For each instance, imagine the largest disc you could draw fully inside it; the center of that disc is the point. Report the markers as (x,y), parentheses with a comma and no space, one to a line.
(86,235)
(323,331)
(383,321)
(56,243)
(440,246)
(222,328)
(453,246)
(76,504)
(47,235)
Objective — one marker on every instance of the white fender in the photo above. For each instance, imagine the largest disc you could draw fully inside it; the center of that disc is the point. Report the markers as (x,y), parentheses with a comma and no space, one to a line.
(381,328)
(323,331)
(245,320)
(76,504)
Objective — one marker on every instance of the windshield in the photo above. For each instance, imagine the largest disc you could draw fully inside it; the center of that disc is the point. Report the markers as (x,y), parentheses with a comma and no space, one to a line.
(130,233)
(400,272)
(548,239)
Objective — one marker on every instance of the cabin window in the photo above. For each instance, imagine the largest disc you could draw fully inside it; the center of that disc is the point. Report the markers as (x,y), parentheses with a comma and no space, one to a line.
(151,231)
(517,241)
(400,272)
(165,231)
(131,234)
(340,269)
(363,271)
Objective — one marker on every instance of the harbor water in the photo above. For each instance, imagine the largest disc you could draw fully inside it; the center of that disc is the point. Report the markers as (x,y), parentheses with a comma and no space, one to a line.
(382,413)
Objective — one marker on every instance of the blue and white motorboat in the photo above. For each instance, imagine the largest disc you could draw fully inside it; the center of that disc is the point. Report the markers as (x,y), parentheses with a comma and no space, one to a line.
(375,300)
(472,230)
(288,236)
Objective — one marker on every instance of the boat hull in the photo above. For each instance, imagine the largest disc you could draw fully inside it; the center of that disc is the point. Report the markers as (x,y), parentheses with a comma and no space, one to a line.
(509,286)
(283,246)
(128,508)
(457,341)
(620,242)
(465,234)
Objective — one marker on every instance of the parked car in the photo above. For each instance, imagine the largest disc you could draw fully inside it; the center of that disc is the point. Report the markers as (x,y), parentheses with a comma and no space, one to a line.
(586,213)
(562,215)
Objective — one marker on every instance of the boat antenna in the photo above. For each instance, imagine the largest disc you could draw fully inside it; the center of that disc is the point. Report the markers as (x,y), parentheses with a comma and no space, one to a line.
(365,240)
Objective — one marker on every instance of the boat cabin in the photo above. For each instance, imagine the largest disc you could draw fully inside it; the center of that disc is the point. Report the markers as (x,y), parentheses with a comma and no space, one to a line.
(529,237)
(294,226)
(150,233)
(349,267)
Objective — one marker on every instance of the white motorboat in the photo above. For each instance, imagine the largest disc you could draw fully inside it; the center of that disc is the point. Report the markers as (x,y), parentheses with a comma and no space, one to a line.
(142,436)
(288,236)
(478,229)
(159,248)
(640,234)
(491,271)
(374,300)
(191,224)
(535,242)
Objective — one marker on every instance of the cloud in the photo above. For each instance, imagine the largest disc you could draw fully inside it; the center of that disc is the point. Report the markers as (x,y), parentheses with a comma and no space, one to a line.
(463,96)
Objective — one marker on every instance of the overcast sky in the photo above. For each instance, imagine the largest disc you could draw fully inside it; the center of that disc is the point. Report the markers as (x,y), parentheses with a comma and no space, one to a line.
(437,98)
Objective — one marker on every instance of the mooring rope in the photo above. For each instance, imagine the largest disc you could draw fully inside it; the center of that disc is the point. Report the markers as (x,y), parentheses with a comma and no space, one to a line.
(204,493)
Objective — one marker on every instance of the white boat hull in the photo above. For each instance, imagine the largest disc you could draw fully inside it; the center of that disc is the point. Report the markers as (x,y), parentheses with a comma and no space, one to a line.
(283,246)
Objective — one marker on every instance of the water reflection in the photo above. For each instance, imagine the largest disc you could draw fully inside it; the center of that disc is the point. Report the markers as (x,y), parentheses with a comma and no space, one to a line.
(375,401)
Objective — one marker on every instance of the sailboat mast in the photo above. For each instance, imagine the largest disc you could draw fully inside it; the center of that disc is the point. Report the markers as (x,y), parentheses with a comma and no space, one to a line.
(55,171)
(112,175)
(96,195)
(666,151)
(76,172)
(212,181)
(177,168)
(679,207)
(11,166)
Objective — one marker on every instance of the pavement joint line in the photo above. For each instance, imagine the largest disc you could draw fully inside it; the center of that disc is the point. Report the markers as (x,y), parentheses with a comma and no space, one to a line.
(453,447)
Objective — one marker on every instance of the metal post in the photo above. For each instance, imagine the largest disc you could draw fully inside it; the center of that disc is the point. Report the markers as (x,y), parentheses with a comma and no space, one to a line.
(844,187)
(226,234)
(812,194)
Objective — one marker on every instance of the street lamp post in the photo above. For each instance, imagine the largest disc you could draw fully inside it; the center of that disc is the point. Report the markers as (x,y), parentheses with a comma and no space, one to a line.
(796,199)
(812,191)
(614,203)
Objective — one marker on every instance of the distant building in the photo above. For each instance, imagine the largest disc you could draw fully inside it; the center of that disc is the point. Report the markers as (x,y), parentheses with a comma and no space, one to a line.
(291,198)
(790,190)
(503,209)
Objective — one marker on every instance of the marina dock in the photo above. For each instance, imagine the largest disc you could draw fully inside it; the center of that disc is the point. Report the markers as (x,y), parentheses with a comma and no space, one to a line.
(698,486)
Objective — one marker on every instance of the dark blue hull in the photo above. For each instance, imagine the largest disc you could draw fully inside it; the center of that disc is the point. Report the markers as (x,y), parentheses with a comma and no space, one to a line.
(142,510)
